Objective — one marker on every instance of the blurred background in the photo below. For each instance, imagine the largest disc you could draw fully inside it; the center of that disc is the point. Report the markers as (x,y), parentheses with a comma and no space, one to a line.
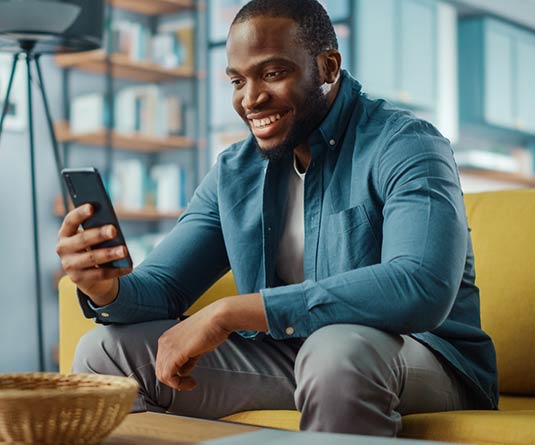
(152,109)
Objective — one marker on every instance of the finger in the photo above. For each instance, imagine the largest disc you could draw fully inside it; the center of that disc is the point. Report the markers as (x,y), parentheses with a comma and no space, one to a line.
(182,383)
(73,219)
(93,275)
(186,369)
(93,258)
(165,367)
(85,239)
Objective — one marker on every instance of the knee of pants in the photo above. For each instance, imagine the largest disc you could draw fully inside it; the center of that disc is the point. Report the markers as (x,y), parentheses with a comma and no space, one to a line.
(95,350)
(340,358)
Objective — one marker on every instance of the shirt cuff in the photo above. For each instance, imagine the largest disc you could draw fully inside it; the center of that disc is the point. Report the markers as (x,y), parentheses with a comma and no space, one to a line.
(286,311)
(115,312)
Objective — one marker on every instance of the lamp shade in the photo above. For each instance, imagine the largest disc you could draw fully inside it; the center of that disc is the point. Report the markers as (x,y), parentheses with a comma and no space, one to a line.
(51,26)
(88,28)
(28,16)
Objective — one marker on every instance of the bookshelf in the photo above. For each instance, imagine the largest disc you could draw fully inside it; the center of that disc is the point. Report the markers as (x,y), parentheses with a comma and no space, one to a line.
(133,142)
(106,74)
(152,7)
(146,89)
(122,67)
(149,214)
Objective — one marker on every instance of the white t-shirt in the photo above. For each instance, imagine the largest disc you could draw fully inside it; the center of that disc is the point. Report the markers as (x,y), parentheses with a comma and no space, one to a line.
(290,261)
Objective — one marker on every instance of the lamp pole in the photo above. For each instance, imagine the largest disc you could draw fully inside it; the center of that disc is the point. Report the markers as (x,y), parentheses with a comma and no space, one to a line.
(36,260)
(27,48)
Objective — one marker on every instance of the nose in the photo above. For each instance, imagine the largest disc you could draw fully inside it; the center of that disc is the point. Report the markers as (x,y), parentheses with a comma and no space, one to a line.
(253,96)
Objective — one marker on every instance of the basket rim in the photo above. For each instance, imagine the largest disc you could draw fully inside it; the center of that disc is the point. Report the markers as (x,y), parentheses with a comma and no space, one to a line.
(119,384)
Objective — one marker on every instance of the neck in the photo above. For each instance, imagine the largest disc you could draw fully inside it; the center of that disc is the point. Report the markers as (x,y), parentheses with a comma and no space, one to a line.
(302,156)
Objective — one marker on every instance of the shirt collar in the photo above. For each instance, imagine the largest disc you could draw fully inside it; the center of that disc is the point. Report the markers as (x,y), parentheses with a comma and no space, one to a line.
(332,129)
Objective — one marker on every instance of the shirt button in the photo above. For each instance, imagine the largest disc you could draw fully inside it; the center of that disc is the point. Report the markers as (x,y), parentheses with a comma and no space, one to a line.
(290,330)
(332,142)
(269,229)
(105,315)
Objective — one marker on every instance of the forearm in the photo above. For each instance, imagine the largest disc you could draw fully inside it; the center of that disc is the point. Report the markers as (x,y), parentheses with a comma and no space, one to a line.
(243,313)
(104,295)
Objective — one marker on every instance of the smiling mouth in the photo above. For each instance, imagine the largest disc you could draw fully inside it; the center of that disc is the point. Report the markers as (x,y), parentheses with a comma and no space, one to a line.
(267,121)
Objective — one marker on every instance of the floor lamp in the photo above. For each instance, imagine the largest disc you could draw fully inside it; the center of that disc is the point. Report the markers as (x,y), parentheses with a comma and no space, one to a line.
(29,29)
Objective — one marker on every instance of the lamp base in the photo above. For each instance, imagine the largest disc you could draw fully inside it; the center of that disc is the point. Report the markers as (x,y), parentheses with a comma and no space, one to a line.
(44,22)
(46,43)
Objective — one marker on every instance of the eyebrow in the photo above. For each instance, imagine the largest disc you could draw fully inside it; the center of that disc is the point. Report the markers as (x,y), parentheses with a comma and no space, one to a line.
(281,60)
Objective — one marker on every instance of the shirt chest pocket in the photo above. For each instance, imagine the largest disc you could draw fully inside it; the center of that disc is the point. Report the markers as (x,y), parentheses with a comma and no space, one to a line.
(350,241)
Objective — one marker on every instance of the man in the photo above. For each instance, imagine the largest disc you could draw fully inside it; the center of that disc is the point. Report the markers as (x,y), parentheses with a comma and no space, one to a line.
(343,222)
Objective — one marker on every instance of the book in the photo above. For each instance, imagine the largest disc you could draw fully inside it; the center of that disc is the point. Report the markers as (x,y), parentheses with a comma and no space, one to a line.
(180,36)
(147,110)
(169,186)
(128,184)
(88,113)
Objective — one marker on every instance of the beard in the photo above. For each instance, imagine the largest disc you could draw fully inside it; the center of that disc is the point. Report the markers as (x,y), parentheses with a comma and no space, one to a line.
(314,107)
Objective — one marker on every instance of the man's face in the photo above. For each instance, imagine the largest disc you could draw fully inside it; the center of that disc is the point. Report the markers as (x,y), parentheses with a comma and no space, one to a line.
(277,86)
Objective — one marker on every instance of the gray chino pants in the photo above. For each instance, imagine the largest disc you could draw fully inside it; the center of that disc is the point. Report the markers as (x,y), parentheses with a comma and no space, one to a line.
(343,378)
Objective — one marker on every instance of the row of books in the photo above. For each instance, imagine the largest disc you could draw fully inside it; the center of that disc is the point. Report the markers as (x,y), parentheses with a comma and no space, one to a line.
(170,46)
(135,186)
(137,109)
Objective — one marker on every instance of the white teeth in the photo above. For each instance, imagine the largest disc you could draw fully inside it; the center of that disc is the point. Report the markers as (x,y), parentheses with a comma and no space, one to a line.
(258,123)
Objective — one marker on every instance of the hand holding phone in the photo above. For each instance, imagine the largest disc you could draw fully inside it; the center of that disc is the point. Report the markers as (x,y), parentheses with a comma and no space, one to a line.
(95,257)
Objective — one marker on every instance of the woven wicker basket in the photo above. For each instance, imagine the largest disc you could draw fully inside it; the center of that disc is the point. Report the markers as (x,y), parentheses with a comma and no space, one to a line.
(50,408)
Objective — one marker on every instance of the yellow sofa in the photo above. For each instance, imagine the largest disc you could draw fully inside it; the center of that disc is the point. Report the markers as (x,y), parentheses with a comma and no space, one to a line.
(503,233)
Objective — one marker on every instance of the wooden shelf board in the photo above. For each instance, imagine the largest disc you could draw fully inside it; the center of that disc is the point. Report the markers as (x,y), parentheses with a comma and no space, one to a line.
(122,66)
(152,7)
(494,175)
(136,142)
(147,214)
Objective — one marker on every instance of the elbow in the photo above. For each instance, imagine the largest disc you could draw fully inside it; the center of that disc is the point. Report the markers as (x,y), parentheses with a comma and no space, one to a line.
(428,302)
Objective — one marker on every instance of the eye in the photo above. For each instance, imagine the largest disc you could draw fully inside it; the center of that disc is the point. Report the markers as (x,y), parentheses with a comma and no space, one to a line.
(236,82)
(273,74)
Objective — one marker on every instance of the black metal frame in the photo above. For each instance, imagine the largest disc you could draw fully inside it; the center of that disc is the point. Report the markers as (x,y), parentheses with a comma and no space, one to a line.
(27,50)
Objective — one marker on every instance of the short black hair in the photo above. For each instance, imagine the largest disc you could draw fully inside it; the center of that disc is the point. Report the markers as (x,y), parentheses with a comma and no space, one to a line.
(315,29)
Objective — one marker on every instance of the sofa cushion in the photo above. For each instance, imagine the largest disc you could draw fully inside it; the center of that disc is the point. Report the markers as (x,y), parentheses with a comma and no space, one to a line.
(477,427)
(517,403)
(504,245)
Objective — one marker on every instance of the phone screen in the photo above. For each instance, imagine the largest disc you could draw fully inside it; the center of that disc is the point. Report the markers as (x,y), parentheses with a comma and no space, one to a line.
(85,186)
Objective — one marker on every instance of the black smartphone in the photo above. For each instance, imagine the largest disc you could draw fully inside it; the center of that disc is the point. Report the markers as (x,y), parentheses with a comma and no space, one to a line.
(85,186)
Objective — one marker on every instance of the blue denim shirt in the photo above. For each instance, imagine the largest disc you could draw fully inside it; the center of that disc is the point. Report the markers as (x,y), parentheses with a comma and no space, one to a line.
(386,239)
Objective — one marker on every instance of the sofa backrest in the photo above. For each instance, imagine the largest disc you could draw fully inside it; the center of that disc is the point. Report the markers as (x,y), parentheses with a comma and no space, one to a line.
(503,235)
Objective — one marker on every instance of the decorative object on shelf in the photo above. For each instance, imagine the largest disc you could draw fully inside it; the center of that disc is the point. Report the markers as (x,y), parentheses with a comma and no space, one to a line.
(28,33)
(62,408)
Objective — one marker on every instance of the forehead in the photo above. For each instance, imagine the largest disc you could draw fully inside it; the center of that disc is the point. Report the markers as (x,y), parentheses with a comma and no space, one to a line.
(260,37)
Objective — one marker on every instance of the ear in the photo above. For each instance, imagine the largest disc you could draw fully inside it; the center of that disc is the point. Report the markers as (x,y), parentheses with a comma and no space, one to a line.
(329,63)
